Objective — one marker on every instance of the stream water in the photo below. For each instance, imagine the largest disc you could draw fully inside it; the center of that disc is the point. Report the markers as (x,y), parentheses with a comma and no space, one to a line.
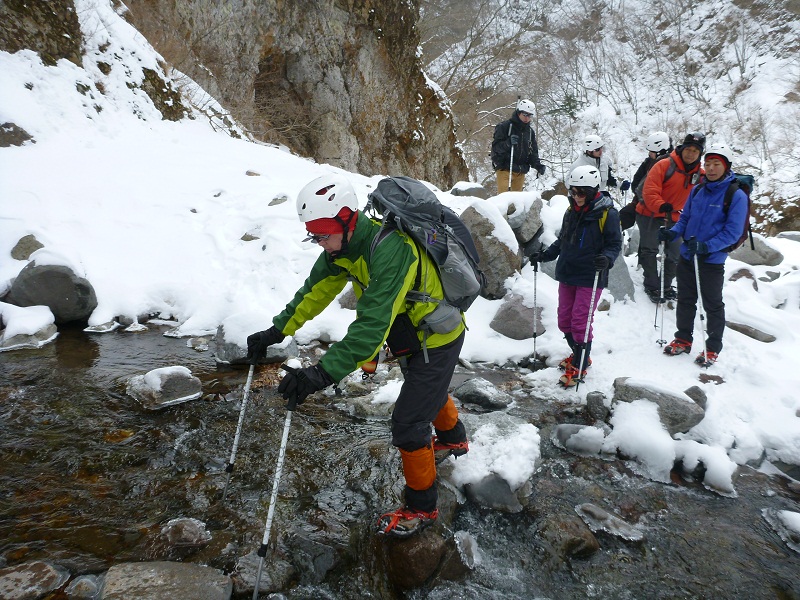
(88,479)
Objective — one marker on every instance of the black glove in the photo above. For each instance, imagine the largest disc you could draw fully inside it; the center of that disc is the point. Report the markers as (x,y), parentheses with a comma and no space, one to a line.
(665,208)
(612,182)
(695,247)
(514,140)
(535,257)
(601,262)
(541,168)
(666,235)
(298,384)
(626,185)
(257,343)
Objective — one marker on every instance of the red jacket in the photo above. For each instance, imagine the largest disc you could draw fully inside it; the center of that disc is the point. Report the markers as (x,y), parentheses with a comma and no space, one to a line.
(674,190)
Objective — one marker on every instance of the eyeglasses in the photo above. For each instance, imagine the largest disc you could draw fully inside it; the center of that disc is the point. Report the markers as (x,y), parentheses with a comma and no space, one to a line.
(524,114)
(316,239)
(576,192)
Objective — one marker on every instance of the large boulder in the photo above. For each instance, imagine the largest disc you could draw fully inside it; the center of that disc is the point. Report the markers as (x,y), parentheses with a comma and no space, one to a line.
(762,252)
(498,261)
(677,411)
(516,320)
(68,296)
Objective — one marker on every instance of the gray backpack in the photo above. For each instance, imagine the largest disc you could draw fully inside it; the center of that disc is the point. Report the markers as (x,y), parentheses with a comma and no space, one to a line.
(408,205)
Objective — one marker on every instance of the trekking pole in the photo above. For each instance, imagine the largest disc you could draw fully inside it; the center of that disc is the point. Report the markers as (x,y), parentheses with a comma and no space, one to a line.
(229,467)
(588,324)
(700,307)
(535,310)
(661,340)
(262,550)
(511,160)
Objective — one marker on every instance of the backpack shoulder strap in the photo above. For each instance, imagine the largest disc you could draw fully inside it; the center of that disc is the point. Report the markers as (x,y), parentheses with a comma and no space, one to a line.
(726,203)
(670,169)
(602,221)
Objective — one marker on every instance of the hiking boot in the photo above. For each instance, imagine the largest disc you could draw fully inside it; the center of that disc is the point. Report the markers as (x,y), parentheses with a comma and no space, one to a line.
(655,296)
(405,522)
(570,378)
(442,450)
(568,361)
(706,359)
(670,293)
(678,346)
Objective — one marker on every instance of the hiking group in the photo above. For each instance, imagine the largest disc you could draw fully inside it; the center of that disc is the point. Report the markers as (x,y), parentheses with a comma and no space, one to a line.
(696,215)
(402,267)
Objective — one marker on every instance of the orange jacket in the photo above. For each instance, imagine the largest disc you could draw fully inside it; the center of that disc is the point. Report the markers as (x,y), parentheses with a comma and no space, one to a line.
(674,190)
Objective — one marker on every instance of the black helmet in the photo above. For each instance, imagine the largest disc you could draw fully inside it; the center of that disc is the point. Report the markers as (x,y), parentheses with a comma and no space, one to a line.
(697,139)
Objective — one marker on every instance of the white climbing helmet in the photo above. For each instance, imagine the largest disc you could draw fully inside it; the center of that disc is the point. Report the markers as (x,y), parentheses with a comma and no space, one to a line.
(657,141)
(722,150)
(584,176)
(526,106)
(324,197)
(592,142)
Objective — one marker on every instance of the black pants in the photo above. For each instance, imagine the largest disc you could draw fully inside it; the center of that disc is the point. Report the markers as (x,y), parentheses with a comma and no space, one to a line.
(711,279)
(423,395)
(648,253)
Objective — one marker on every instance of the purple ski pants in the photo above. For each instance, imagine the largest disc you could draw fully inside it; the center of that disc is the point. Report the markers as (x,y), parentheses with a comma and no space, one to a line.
(573,310)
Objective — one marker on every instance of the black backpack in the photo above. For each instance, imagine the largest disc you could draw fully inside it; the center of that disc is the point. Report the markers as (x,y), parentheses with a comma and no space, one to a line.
(627,213)
(409,206)
(637,193)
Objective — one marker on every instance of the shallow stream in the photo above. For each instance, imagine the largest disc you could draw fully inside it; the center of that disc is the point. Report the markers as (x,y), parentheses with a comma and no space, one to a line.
(88,479)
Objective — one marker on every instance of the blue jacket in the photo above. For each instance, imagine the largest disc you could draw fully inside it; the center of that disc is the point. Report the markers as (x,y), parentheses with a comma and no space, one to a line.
(581,239)
(704,218)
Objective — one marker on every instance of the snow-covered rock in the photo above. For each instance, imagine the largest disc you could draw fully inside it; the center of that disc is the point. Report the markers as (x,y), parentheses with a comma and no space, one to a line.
(164,387)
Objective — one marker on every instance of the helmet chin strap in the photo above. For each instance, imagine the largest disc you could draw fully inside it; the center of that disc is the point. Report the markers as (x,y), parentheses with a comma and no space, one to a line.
(345,235)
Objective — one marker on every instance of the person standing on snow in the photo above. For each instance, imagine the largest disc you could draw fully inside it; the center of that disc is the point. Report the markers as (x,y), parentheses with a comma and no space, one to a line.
(658,144)
(515,136)
(328,206)
(666,187)
(587,246)
(594,156)
(708,231)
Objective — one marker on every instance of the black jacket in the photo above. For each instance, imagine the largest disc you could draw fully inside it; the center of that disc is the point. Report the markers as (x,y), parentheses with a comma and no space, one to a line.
(641,173)
(526,153)
(581,239)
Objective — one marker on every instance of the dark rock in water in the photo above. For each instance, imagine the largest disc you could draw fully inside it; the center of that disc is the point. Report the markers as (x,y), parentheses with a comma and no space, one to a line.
(68,296)
(410,562)
(186,532)
(494,492)
(31,580)
(314,556)
(160,580)
(599,519)
(568,536)
(276,575)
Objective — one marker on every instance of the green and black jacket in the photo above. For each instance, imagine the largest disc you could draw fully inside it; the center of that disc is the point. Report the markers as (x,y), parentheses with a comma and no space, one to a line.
(381,283)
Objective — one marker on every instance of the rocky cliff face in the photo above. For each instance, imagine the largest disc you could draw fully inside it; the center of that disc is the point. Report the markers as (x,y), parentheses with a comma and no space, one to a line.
(337,80)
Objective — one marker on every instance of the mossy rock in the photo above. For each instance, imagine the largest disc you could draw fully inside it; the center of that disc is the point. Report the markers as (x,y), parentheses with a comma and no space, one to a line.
(49,28)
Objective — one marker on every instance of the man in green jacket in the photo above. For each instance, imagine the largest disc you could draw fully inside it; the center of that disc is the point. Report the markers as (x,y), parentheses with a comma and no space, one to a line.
(381,279)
